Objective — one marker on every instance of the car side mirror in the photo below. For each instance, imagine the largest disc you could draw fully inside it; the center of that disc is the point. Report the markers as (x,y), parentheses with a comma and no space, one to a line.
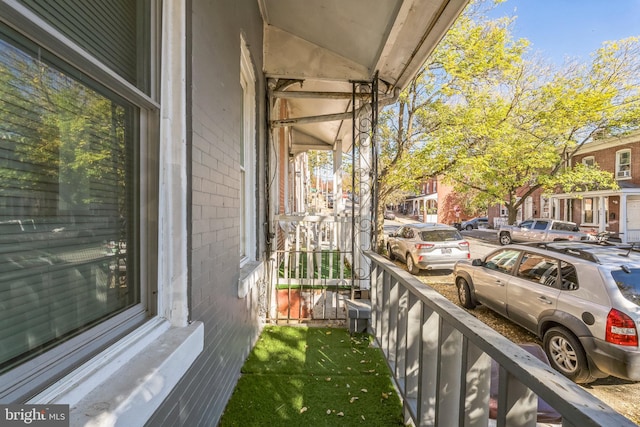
(477,262)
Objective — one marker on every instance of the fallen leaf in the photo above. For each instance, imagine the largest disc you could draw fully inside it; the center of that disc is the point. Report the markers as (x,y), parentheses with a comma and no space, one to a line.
(340,414)
(364,390)
(353,399)
(328,411)
(328,379)
(303,409)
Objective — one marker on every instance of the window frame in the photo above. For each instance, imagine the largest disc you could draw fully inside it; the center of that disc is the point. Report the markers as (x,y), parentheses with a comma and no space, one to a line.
(247,161)
(626,173)
(594,210)
(38,372)
(589,161)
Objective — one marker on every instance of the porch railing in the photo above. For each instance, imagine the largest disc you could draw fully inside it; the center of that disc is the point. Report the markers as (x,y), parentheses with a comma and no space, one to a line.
(441,360)
(313,268)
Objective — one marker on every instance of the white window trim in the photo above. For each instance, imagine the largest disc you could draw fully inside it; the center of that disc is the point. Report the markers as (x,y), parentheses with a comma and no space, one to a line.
(248,83)
(585,160)
(595,209)
(622,175)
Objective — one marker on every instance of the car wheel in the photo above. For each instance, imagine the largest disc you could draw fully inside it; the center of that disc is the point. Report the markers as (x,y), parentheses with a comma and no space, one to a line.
(411,266)
(391,255)
(566,355)
(505,239)
(469,227)
(464,294)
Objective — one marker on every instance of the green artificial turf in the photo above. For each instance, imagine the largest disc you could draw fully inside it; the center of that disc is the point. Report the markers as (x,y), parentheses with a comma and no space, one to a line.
(299,376)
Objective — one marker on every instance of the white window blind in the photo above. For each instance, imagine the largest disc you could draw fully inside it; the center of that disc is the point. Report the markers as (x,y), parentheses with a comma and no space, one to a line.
(114,31)
(68,156)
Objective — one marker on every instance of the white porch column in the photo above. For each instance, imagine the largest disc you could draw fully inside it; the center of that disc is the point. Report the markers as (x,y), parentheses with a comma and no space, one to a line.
(623,218)
(338,201)
(602,220)
(364,224)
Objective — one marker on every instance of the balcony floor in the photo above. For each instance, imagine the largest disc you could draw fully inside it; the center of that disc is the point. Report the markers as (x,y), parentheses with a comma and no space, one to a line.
(300,375)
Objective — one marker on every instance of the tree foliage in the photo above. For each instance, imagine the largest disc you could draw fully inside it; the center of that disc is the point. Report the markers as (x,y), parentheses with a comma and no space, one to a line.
(493,119)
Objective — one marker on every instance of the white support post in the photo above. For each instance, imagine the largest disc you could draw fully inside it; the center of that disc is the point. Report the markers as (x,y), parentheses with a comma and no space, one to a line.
(338,201)
(364,223)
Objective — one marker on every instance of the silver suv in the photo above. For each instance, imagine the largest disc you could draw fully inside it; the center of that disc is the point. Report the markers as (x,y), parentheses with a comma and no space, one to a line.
(582,299)
(427,246)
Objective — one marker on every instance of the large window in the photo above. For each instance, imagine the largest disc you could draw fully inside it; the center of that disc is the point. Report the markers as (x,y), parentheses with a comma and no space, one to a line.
(69,210)
(247,156)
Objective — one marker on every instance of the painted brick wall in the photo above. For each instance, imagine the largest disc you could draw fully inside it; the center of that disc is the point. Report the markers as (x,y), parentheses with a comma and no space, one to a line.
(231,324)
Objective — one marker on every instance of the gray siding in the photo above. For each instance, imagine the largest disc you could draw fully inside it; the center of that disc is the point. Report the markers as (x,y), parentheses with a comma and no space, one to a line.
(231,324)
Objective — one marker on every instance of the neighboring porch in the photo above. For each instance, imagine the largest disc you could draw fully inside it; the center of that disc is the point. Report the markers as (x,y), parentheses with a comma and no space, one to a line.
(615,212)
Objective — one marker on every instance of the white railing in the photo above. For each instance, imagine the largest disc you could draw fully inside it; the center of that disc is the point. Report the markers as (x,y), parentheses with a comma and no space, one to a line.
(633,236)
(440,358)
(312,268)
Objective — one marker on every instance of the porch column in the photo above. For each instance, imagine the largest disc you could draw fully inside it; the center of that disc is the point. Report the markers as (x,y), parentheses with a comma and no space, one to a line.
(623,218)
(338,202)
(602,220)
(365,224)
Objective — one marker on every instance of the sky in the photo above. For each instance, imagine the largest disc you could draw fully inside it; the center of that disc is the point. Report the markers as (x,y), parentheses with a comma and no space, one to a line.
(574,28)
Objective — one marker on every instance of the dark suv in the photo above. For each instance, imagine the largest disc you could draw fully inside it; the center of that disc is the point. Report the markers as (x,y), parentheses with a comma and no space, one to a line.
(479,222)
(582,299)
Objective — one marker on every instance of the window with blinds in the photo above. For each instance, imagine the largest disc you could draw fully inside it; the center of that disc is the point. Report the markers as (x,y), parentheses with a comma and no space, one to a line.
(68,202)
(114,31)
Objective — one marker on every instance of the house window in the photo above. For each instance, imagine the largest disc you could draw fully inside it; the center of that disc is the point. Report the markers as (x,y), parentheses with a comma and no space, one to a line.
(589,161)
(71,206)
(588,210)
(623,164)
(247,162)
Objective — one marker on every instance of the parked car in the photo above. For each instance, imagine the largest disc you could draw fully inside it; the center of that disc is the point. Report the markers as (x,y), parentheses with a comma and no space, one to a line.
(541,230)
(427,246)
(478,222)
(389,214)
(581,298)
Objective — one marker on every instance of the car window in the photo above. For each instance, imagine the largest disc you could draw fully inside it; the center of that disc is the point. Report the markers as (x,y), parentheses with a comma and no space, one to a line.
(407,233)
(538,268)
(540,225)
(502,260)
(440,235)
(526,224)
(628,281)
(569,277)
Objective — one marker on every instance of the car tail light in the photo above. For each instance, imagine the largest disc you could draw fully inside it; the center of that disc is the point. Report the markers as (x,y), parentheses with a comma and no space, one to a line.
(464,245)
(621,329)
(424,245)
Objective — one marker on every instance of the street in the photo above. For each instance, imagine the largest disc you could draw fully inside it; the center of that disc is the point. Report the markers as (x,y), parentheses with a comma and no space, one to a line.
(621,395)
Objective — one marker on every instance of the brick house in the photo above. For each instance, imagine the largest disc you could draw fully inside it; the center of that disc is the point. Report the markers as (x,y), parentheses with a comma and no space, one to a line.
(614,211)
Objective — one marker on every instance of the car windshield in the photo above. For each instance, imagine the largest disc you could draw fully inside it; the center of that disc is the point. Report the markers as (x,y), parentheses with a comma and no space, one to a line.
(628,281)
(440,235)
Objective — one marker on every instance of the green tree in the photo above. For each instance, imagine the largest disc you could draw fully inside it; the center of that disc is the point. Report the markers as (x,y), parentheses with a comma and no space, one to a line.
(423,134)
(543,119)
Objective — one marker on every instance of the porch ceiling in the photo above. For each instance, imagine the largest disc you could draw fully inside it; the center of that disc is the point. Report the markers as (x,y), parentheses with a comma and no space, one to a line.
(326,44)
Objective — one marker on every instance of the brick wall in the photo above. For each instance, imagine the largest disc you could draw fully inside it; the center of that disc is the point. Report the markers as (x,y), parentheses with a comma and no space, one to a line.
(231,324)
